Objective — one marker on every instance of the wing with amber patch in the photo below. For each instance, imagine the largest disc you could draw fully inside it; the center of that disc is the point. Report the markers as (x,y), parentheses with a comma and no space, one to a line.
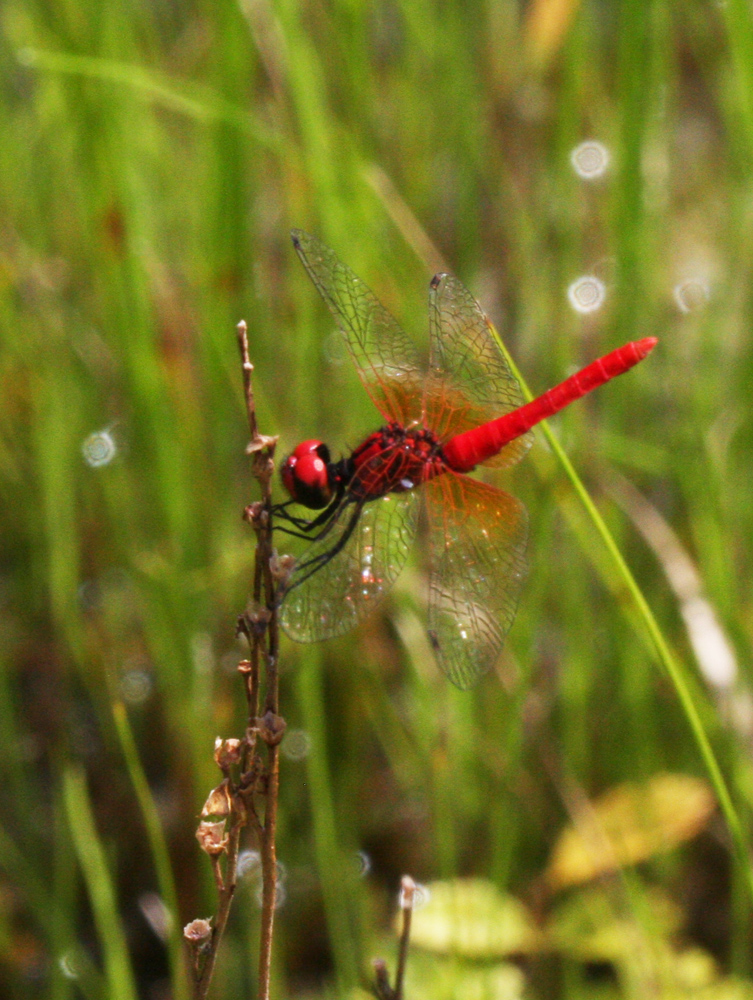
(387,362)
(469,381)
(477,540)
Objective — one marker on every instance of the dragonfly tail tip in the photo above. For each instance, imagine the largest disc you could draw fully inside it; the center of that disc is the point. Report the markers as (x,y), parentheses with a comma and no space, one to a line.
(646,345)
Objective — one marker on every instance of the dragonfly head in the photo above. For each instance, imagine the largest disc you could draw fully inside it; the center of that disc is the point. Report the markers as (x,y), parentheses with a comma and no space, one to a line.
(306,475)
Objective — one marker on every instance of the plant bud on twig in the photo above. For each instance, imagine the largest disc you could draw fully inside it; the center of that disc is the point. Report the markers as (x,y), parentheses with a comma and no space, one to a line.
(407,892)
(262,441)
(271,728)
(227,753)
(281,567)
(219,802)
(254,620)
(256,514)
(211,838)
(198,933)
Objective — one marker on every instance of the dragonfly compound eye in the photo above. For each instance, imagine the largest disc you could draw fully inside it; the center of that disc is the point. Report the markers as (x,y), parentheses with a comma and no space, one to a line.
(305,475)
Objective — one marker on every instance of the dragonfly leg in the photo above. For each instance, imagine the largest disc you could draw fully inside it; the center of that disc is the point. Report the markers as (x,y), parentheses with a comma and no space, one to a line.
(279,510)
(302,524)
(312,565)
(292,533)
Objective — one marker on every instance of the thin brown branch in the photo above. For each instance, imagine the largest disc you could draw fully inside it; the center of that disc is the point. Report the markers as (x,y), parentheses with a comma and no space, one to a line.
(250,672)
(382,988)
(258,772)
(271,728)
(407,896)
(219,878)
(226,894)
(269,875)
(248,387)
(266,644)
(271,703)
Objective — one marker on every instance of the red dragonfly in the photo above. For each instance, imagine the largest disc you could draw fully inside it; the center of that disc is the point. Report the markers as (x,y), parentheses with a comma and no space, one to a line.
(465,410)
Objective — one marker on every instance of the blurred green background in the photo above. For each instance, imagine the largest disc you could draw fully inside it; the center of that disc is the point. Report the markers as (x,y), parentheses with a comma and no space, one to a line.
(153,159)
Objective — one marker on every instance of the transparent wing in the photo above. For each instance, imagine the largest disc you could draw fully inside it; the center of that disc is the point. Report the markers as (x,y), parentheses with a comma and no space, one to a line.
(387,361)
(477,541)
(469,380)
(350,585)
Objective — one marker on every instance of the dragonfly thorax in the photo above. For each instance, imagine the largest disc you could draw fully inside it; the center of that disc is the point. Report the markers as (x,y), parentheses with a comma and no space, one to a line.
(394,459)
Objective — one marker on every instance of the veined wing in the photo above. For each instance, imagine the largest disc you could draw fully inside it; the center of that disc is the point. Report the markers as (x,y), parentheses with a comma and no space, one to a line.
(477,540)
(344,589)
(386,360)
(469,380)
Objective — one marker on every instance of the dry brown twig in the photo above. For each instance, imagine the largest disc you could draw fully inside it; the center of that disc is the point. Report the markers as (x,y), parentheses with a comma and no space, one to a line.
(382,987)
(249,765)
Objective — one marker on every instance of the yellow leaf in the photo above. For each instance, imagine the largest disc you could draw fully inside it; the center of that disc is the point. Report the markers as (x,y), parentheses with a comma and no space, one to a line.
(473,919)
(630,824)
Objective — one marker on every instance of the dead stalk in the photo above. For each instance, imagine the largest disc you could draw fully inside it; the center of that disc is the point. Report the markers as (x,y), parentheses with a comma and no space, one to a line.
(249,773)
(382,988)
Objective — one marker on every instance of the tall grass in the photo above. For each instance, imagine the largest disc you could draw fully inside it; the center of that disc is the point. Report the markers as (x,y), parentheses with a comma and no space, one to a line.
(153,160)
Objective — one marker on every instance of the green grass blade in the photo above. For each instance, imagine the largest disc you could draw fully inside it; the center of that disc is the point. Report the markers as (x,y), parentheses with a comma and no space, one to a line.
(160,854)
(328,845)
(91,857)
(204,107)
(739,23)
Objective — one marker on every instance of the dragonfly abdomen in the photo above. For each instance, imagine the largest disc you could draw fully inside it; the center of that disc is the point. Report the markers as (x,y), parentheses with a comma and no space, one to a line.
(465,451)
